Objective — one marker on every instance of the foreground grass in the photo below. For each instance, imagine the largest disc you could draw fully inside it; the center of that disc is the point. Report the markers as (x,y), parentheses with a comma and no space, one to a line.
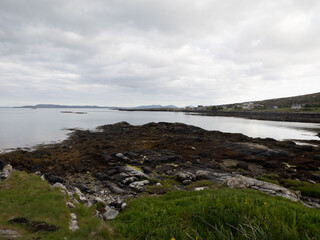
(28,196)
(217,214)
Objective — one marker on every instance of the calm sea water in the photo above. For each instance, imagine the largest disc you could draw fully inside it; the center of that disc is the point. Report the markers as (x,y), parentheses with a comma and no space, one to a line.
(29,127)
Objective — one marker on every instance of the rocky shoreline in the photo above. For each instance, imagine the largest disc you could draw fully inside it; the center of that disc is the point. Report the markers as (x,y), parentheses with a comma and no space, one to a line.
(120,161)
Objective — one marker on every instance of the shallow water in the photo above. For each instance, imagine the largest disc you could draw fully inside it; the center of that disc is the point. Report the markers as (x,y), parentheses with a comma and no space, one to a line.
(29,127)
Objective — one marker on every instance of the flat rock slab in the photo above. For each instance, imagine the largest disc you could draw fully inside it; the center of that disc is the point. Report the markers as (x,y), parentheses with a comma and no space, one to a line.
(8,234)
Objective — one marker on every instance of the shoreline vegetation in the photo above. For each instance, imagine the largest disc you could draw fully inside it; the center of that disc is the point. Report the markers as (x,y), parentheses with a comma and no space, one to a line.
(162,181)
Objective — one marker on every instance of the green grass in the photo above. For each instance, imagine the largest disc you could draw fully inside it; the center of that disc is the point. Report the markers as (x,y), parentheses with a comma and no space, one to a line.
(28,196)
(306,189)
(217,214)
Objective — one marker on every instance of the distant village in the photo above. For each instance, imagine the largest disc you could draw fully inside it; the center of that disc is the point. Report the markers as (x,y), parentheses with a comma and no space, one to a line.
(243,106)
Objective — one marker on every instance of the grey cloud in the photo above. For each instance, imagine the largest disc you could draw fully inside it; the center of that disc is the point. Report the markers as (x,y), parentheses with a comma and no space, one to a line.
(119,52)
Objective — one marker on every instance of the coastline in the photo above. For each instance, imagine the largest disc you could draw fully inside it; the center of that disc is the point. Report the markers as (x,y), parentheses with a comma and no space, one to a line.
(303,117)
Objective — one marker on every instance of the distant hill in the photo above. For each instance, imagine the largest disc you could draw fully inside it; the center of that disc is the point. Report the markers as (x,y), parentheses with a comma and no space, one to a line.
(312,100)
(309,100)
(155,106)
(62,106)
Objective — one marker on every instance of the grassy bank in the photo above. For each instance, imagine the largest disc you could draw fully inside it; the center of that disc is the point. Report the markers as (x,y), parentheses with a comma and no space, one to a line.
(29,197)
(217,214)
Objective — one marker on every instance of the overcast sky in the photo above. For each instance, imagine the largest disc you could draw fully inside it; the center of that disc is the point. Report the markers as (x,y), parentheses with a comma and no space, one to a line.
(134,52)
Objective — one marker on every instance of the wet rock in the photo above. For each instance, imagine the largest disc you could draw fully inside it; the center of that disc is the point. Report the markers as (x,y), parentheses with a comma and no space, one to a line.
(73,223)
(183,176)
(110,213)
(272,189)
(201,174)
(139,185)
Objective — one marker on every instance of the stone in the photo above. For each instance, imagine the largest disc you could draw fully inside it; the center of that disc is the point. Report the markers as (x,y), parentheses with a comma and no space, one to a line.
(110,213)
(200,188)
(114,188)
(120,156)
(129,180)
(73,223)
(242,165)
(134,172)
(158,184)
(59,185)
(201,174)
(186,182)
(52,179)
(82,187)
(8,234)
(139,185)
(182,176)
(7,168)
(70,205)
(2,164)
(272,189)
(123,206)
(97,199)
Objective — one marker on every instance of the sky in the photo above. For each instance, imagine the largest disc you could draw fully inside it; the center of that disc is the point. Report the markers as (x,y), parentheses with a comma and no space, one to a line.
(141,52)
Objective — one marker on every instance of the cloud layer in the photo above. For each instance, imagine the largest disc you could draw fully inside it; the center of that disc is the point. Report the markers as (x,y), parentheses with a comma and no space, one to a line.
(127,53)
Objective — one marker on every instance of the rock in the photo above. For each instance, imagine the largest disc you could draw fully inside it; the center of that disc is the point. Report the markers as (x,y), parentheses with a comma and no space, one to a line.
(134,172)
(242,165)
(7,170)
(2,164)
(101,176)
(200,188)
(186,182)
(97,199)
(73,224)
(147,169)
(182,176)
(110,213)
(272,189)
(114,188)
(129,180)
(8,234)
(158,184)
(201,174)
(82,187)
(139,185)
(59,185)
(119,156)
(123,206)
(70,205)
(52,179)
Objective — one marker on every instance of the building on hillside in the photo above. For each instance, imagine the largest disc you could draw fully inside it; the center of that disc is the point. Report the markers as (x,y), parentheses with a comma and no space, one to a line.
(296,106)
(201,108)
(248,106)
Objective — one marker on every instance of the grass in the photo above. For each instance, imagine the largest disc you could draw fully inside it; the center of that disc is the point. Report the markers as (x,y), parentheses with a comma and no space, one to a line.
(28,196)
(217,214)
(306,189)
